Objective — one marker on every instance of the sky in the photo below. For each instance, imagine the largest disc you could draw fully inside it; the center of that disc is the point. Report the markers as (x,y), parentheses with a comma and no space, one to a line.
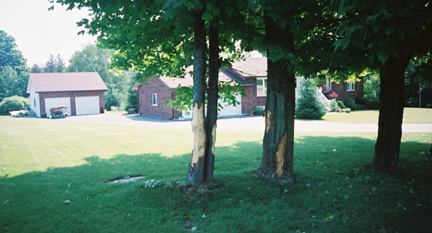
(39,32)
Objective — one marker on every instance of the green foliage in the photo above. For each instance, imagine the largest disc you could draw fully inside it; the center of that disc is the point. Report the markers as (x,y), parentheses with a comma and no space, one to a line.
(340,104)
(371,87)
(372,103)
(228,92)
(94,59)
(13,68)
(132,100)
(375,27)
(419,75)
(308,106)
(333,105)
(349,103)
(9,54)
(13,103)
(258,111)
(12,82)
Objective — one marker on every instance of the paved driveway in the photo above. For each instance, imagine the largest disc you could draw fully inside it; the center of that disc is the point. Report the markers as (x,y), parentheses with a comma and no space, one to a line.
(244,123)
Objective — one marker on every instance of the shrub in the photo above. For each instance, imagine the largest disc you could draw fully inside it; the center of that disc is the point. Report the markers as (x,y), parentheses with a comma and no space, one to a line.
(349,103)
(258,111)
(340,104)
(361,107)
(360,100)
(333,105)
(372,103)
(346,110)
(308,106)
(13,103)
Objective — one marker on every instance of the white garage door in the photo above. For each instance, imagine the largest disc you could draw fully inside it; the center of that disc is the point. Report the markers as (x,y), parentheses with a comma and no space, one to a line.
(231,110)
(57,102)
(86,105)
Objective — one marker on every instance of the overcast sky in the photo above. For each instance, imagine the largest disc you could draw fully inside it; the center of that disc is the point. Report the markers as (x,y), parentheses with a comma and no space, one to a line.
(39,32)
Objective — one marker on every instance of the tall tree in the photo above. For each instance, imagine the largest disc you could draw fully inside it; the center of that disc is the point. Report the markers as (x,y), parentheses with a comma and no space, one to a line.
(50,65)
(390,33)
(60,65)
(159,35)
(13,68)
(93,59)
(35,69)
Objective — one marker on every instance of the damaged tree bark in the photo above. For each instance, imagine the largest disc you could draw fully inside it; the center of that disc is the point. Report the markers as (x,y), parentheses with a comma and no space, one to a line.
(391,97)
(196,170)
(278,143)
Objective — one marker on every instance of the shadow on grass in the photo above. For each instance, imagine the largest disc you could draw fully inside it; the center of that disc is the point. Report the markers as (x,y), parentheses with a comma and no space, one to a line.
(335,192)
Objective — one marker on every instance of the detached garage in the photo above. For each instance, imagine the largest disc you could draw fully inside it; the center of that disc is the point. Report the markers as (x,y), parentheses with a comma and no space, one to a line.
(81,93)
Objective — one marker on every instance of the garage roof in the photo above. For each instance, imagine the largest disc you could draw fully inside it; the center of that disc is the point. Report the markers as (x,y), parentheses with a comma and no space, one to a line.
(54,82)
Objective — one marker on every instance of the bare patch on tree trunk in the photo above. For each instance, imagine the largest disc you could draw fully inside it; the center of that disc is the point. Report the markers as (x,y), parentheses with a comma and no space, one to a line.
(268,121)
(280,155)
(198,132)
(214,139)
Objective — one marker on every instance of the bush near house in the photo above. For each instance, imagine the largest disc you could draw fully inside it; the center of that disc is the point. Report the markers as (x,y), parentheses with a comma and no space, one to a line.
(308,106)
(13,103)
(349,103)
(340,104)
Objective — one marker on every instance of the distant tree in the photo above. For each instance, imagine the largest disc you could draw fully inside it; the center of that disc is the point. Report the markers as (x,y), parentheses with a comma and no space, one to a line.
(51,65)
(60,65)
(13,68)
(94,59)
(9,54)
(11,83)
(36,69)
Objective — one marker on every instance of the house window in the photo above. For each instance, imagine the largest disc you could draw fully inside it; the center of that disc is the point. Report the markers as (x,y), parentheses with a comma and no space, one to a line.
(329,83)
(154,99)
(261,86)
(350,86)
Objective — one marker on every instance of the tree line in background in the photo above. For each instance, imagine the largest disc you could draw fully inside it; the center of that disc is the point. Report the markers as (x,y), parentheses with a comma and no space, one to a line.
(14,72)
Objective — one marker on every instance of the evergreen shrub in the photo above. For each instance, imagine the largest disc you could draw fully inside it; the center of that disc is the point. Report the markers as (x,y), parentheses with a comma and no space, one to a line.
(308,106)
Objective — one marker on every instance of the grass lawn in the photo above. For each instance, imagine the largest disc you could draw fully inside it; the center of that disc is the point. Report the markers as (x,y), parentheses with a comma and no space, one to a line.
(411,115)
(54,173)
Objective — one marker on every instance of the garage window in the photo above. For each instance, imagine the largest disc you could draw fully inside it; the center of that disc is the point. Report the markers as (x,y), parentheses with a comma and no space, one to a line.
(154,99)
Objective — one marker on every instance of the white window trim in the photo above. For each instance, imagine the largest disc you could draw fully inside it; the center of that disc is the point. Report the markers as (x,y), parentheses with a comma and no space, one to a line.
(329,82)
(350,86)
(264,87)
(154,99)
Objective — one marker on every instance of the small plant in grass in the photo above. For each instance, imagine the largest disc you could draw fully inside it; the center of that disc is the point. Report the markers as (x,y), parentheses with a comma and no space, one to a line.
(308,106)
(152,183)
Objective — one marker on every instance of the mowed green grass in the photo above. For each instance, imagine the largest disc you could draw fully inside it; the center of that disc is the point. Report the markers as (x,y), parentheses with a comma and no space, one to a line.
(411,115)
(44,163)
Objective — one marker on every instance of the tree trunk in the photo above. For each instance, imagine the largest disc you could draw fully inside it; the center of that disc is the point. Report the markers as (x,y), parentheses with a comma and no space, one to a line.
(212,102)
(196,174)
(391,97)
(278,143)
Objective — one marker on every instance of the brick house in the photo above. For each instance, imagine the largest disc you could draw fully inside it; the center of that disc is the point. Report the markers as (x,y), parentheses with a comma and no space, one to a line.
(82,93)
(251,74)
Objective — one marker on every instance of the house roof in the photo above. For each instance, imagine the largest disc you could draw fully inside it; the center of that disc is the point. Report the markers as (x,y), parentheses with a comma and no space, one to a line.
(251,67)
(55,82)
(188,79)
